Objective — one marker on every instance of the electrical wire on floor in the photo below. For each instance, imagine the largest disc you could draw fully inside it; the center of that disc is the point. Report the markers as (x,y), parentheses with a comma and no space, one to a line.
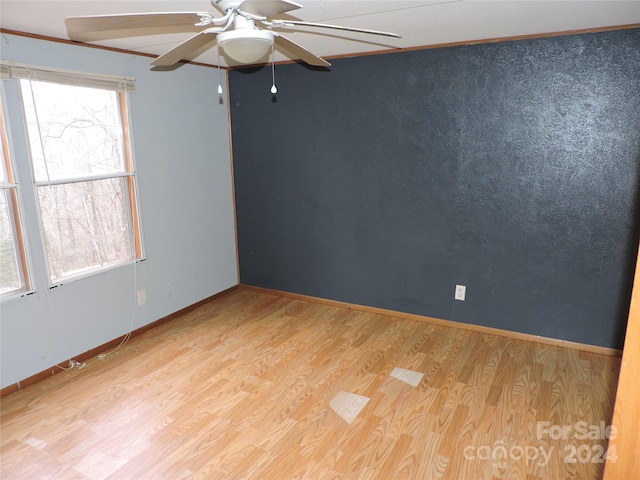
(72,365)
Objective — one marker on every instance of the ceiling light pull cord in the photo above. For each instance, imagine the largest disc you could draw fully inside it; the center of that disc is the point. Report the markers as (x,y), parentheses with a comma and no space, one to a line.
(219,75)
(274,89)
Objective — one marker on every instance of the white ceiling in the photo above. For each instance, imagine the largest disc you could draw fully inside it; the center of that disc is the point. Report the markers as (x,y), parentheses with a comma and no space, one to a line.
(420,22)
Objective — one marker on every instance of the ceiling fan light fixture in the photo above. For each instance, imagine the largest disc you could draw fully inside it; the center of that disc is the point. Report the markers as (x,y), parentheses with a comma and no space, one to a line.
(246,46)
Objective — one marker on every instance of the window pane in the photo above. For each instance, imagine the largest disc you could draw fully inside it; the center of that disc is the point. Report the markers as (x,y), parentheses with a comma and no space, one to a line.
(79,127)
(9,274)
(3,175)
(85,225)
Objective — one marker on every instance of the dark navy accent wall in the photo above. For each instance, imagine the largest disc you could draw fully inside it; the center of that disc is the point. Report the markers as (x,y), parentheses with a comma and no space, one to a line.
(512,168)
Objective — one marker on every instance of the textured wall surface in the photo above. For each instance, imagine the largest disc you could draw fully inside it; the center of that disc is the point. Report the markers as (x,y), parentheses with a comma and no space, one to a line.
(511,168)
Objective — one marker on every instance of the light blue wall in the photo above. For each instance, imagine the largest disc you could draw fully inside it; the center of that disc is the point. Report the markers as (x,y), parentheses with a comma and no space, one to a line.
(181,148)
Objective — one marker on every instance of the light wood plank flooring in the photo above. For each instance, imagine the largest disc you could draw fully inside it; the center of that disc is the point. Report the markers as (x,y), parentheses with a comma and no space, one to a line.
(240,388)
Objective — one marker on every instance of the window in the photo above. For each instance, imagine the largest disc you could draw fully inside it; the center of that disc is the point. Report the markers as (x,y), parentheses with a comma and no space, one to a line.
(83,175)
(14,276)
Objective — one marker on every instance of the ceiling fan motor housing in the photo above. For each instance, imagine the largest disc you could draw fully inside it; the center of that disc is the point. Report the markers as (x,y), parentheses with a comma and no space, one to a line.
(226,4)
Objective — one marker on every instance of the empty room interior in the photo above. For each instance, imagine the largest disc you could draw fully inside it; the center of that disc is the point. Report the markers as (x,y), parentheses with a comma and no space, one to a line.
(415,263)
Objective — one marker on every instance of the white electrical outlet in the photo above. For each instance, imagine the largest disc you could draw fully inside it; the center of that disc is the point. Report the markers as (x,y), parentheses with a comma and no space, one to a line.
(461,292)
(142,297)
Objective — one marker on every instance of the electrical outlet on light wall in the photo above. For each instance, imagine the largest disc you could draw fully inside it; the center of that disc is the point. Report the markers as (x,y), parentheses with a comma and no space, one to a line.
(461,292)
(142,297)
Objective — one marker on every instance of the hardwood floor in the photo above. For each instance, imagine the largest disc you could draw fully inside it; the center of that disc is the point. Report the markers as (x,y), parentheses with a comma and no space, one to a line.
(243,388)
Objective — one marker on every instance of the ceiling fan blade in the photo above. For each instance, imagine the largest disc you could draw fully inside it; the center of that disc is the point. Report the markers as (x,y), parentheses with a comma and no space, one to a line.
(267,8)
(98,23)
(293,23)
(186,48)
(298,51)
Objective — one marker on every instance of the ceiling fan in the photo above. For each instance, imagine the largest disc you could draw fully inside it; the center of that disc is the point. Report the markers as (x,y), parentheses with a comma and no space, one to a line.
(245,32)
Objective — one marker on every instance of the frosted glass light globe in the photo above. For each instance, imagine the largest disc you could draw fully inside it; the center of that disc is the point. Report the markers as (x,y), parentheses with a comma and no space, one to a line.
(246,46)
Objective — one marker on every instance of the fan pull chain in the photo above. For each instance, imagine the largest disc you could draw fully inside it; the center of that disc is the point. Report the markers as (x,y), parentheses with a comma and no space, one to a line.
(219,76)
(274,89)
